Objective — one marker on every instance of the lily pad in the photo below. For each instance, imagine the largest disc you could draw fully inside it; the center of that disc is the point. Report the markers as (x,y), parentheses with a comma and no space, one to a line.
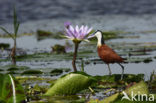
(110,99)
(32,72)
(1,70)
(56,72)
(12,72)
(147,60)
(138,88)
(139,60)
(4,45)
(117,77)
(69,84)
(43,33)
(13,69)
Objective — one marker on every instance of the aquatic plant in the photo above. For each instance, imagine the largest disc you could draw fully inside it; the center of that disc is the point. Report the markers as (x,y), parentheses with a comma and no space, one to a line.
(11,91)
(70,84)
(77,35)
(13,36)
(137,93)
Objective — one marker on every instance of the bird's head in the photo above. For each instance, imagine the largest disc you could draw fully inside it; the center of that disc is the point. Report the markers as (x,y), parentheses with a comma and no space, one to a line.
(98,34)
(100,38)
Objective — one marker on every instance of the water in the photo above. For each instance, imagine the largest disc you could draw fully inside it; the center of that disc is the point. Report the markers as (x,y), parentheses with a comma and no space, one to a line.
(46,65)
(33,44)
(55,9)
(104,22)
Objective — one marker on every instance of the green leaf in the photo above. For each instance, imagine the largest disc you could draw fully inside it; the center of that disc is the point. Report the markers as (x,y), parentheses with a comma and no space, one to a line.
(106,100)
(14,19)
(10,90)
(139,88)
(110,99)
(70,84)
(16,30)
(7,32)
(16,23)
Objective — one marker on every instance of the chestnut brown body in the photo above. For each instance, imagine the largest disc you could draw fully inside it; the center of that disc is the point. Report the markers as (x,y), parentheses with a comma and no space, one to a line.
(108,55)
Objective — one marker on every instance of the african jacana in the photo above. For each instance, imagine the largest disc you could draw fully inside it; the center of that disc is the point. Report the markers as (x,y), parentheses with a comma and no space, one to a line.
(107,54)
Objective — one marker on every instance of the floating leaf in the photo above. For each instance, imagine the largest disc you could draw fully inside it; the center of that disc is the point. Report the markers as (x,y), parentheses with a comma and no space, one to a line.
(138,88)
(4,45)
(56,72)
(70,84)
(28,72)
(110,99)
(10,90)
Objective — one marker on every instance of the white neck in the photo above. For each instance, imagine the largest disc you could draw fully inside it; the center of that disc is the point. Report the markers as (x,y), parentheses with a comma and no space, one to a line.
(98,34)
(99,41)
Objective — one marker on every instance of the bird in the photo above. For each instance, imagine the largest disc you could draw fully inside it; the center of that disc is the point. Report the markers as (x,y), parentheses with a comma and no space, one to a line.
(107,54)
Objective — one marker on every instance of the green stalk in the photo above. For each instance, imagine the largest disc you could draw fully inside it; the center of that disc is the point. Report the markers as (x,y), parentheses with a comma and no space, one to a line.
(13,36)
(75,56)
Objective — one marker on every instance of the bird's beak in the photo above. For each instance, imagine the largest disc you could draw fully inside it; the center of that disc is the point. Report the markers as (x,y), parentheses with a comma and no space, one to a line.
(94,34)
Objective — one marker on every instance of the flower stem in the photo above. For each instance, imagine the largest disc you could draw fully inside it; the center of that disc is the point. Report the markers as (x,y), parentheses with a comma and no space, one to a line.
(74,56)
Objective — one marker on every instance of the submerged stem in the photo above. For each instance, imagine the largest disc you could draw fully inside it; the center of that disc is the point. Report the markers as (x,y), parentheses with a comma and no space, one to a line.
(74,56)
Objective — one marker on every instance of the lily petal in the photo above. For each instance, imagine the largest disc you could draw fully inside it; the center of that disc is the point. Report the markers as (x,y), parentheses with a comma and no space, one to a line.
(89,30)
(78,33)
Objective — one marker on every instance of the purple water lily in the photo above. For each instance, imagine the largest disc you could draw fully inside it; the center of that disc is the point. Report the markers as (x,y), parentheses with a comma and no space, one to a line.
(78,33)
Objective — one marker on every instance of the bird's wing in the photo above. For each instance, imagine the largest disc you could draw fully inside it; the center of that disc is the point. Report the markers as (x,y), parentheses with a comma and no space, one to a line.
(109,55)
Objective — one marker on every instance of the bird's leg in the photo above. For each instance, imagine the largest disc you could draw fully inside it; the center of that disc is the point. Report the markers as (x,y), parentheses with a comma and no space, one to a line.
(110,73)
(122,70)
